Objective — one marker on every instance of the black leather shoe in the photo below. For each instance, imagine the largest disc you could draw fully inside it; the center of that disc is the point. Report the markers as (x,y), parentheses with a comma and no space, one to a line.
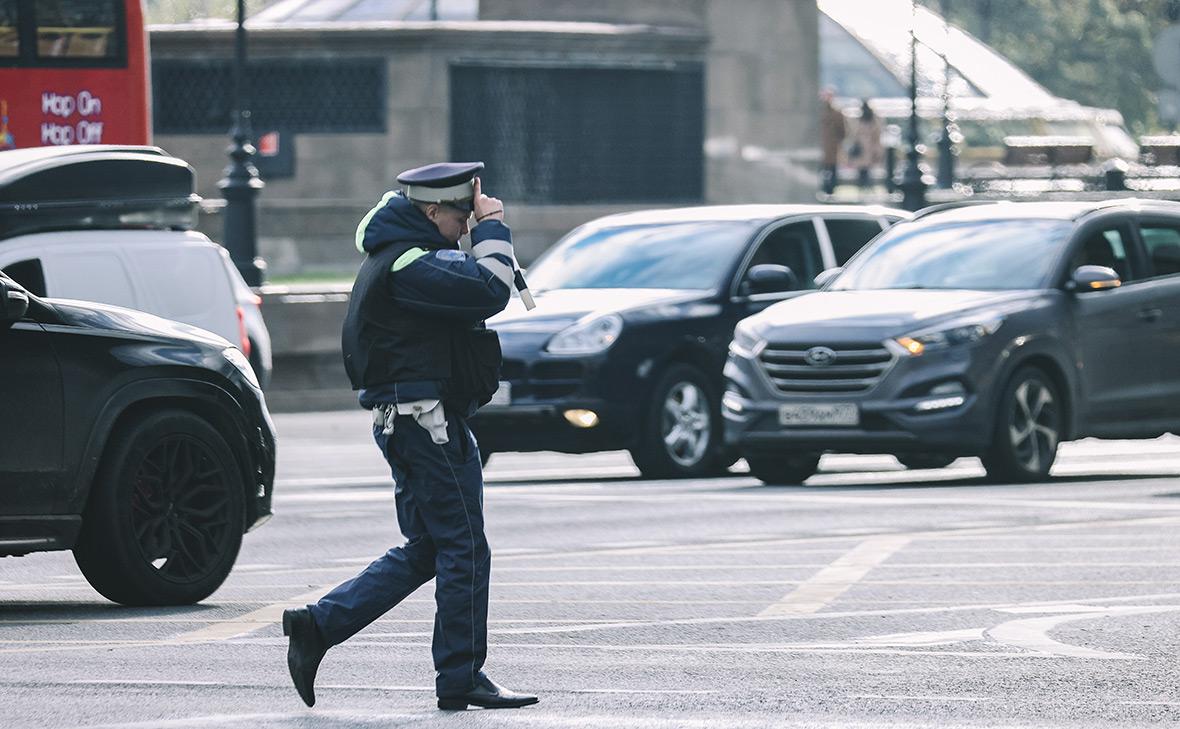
(304,652)
(486,694)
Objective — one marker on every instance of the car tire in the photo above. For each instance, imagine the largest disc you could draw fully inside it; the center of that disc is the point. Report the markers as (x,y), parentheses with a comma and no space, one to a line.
(681,435)
(780,470)
(1029,422)
(166,513)
(922,461)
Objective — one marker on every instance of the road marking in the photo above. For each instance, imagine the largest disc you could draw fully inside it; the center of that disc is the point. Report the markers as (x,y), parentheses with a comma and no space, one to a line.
(834,580)
(1033,633)
(250,622)
(906,697)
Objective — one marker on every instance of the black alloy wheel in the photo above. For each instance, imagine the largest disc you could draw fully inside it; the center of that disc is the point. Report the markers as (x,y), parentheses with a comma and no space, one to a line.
(681,435)
(166,513)
(783,470)
(1029,423)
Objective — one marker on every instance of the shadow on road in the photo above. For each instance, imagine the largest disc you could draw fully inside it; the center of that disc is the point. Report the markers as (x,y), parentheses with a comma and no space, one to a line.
(937,483)
(74,610)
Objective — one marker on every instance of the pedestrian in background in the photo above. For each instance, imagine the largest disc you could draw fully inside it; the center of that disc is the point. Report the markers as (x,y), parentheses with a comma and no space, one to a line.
(416,348)
(865,151)
(832,130)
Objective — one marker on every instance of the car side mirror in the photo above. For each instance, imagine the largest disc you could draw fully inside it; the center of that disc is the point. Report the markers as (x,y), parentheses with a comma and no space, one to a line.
(14,304)
(766,278)
(827,275)
(1093,278)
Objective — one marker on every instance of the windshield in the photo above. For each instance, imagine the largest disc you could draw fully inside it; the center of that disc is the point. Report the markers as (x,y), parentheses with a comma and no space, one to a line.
(694,255)
(976,255)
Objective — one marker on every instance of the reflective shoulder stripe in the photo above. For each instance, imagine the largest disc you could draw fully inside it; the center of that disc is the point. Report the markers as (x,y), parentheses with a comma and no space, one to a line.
(407,258)
(360,228)
(500,270)
(490,246)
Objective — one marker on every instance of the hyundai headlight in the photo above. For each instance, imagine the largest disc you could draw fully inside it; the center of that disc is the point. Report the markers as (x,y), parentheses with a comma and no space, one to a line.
(235,357)
(967,332)
(588,337)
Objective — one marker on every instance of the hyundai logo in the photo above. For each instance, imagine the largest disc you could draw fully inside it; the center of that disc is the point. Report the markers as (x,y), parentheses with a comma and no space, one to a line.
(819,356)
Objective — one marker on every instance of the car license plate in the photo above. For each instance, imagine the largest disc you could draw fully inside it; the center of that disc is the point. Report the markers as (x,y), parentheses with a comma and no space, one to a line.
(503,395)
(836,413)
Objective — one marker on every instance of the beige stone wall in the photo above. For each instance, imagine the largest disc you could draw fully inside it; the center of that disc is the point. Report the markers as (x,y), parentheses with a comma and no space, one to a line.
(761,61)
(652,12)
(762,128)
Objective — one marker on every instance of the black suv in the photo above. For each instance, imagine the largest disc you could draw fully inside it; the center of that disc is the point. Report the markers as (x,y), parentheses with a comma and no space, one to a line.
(634,314)
(995,330)
(141,444)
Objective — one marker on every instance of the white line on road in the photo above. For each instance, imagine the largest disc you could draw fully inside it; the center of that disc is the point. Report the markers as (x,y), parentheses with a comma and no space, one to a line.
(834,580)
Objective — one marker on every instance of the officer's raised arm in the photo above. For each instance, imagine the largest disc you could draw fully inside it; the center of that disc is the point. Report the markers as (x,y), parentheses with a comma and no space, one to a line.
(454,285)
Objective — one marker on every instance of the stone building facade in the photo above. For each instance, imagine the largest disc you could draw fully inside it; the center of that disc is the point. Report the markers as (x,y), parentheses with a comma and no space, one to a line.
(661,103)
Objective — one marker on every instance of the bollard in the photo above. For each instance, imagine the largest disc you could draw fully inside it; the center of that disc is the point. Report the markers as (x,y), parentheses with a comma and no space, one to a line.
(1114,174)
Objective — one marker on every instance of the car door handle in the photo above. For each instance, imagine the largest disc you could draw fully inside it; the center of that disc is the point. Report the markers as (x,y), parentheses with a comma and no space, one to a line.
(1150,315)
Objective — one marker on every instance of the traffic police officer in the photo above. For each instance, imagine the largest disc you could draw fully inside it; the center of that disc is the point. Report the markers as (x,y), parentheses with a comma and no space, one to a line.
(416,348)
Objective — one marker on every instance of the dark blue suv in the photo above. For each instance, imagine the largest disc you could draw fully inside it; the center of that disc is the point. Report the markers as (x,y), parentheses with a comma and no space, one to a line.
(995,330)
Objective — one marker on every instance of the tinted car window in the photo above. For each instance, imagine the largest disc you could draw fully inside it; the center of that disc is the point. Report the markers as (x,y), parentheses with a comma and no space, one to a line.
(850,235)
(1104,248)
(660,256)
(980,255)
(794,246)
(1163,248)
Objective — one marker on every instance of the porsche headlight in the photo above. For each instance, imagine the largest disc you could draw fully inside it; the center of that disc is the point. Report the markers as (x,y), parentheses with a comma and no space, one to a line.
(967,332)
(745,342)
(588,337)
(235,357)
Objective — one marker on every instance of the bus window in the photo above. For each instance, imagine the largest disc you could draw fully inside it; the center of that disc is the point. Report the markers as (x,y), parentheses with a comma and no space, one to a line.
(9,37)
(77,29)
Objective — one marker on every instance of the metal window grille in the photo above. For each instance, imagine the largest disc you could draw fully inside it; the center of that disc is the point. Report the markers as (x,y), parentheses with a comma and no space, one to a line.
(574,135)
(195,97)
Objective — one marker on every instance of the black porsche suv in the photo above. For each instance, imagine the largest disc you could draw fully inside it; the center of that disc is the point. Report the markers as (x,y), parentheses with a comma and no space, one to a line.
(142,444)
(634,314)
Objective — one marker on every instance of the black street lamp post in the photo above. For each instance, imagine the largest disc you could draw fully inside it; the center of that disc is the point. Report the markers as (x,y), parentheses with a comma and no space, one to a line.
(946,151)
(913,187)
(241,184)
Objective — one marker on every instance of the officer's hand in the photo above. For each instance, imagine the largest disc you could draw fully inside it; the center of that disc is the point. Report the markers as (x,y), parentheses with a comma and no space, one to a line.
(486,208)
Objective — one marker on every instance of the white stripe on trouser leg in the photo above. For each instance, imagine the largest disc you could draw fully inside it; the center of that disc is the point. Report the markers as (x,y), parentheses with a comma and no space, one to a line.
(471,535)
(490,246)
(500,270)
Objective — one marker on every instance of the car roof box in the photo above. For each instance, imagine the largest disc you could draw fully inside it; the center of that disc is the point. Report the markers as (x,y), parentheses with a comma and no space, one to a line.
(95,186)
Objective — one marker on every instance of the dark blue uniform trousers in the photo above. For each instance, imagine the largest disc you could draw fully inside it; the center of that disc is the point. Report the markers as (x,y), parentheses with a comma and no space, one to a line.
(439,495)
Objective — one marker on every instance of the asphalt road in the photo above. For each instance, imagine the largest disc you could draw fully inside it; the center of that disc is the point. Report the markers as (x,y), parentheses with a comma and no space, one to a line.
(871,596)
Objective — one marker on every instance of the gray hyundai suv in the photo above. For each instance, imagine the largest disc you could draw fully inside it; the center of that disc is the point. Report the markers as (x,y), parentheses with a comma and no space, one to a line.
(996,330)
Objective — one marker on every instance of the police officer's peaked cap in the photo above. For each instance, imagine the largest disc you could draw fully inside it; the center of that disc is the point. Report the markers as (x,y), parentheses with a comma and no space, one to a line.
(443,182)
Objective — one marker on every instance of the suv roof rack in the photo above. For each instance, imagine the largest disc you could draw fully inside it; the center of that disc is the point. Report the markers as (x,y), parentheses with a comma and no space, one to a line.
(94,186)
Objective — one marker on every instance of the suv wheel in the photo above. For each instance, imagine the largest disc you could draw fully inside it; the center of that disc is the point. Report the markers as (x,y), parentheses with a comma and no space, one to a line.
(919,461)
(681,436)
(784,470)
(166,513)
(1029,422)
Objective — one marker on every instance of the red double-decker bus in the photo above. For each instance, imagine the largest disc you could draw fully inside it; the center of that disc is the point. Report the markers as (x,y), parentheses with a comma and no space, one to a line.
(73,72)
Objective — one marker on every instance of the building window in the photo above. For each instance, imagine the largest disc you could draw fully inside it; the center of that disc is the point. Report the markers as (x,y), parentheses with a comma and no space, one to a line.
(328,96)
(582,135)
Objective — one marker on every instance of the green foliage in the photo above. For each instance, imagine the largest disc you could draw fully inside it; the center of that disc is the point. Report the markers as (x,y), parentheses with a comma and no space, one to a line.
(1097,52)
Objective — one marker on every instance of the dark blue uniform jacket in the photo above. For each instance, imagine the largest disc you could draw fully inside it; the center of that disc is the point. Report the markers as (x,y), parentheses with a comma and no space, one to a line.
(436,278)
